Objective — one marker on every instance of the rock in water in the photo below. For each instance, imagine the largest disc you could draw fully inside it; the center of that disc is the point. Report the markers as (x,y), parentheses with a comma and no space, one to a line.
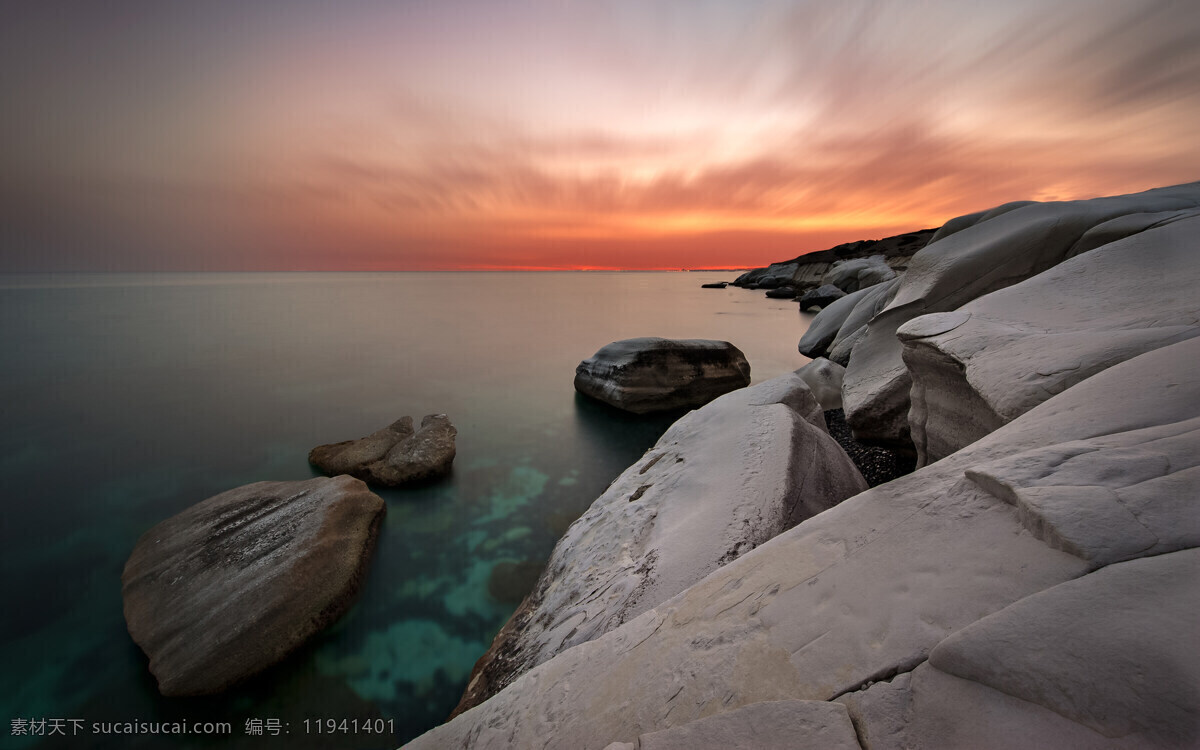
(722,480)
(652,374)
(234,584)
(393,456)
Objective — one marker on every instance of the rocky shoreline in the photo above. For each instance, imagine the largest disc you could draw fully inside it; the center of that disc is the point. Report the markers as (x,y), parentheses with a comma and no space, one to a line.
(1032,584)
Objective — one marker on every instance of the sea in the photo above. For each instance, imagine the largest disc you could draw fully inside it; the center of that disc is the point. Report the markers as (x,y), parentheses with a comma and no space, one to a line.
(126,398)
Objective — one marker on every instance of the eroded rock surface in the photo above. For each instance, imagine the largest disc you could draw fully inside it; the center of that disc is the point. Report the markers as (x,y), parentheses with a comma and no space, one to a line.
(866,590)
(821,297)
(643,375)
(721,481)
(824,379)
(858,273)
(992,251)
(995,358)
(763,726)
(234,584)
(394,456)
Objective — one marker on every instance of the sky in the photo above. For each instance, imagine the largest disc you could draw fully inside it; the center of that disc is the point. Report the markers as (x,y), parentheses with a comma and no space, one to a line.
(228,135)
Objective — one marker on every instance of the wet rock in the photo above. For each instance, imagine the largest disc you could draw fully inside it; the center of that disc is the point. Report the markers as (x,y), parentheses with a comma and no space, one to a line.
(783,292)
(715,285)
(644,375)
(394,456)
(234,584)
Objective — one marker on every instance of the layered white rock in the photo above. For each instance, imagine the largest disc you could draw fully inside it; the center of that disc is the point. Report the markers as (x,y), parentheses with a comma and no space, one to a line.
(865,591)
(1105,662)
(995,250)
(995,358)
(824,379)
(824,327)
(721,481)
(858,273)
(770,724)
(854,327)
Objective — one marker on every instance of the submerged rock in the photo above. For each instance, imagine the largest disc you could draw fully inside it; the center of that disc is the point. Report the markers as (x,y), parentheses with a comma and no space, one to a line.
(234,584)
(653,374)
(393,456)
(783,292)
(850,604)
(715,285)
(722,480)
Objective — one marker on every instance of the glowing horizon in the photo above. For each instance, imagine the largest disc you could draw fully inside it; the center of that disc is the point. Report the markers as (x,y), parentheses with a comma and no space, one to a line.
(561,134)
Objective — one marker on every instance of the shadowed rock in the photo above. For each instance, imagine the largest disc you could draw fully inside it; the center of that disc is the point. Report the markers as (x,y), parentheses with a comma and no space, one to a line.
(653,374)
(393,456)
(234,584)
(822,297)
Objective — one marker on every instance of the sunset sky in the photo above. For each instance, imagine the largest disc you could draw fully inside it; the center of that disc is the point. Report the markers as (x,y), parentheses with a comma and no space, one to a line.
(303,135)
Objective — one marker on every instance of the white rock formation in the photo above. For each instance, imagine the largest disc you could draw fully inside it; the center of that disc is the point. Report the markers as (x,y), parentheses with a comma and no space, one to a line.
(824,379)
(759,726)
(854,327)
(995,250)
(722,480)
(823,328)
(995,358)
(863,592)
(1110,660)
(858,273)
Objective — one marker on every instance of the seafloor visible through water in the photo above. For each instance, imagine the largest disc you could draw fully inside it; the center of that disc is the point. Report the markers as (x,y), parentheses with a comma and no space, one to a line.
(126,398)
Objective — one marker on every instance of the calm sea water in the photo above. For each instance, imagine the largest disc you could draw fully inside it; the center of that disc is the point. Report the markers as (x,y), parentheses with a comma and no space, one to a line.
(126,398)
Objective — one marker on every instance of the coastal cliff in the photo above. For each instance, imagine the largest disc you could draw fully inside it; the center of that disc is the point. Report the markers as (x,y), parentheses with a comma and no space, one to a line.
(1034,584)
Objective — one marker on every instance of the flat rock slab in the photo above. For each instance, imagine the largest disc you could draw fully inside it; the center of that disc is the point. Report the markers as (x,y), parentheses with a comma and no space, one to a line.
(394,456)
(762,726)
(235,583)
(644,375)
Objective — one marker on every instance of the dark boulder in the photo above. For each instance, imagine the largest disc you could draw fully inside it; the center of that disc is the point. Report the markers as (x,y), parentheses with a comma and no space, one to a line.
(393,456)
(653,374)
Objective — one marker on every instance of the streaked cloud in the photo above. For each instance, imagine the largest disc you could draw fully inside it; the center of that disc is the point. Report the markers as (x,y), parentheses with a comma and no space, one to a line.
(550,134)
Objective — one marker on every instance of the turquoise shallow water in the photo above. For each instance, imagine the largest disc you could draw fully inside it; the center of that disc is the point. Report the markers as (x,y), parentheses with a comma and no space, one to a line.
(126,398)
